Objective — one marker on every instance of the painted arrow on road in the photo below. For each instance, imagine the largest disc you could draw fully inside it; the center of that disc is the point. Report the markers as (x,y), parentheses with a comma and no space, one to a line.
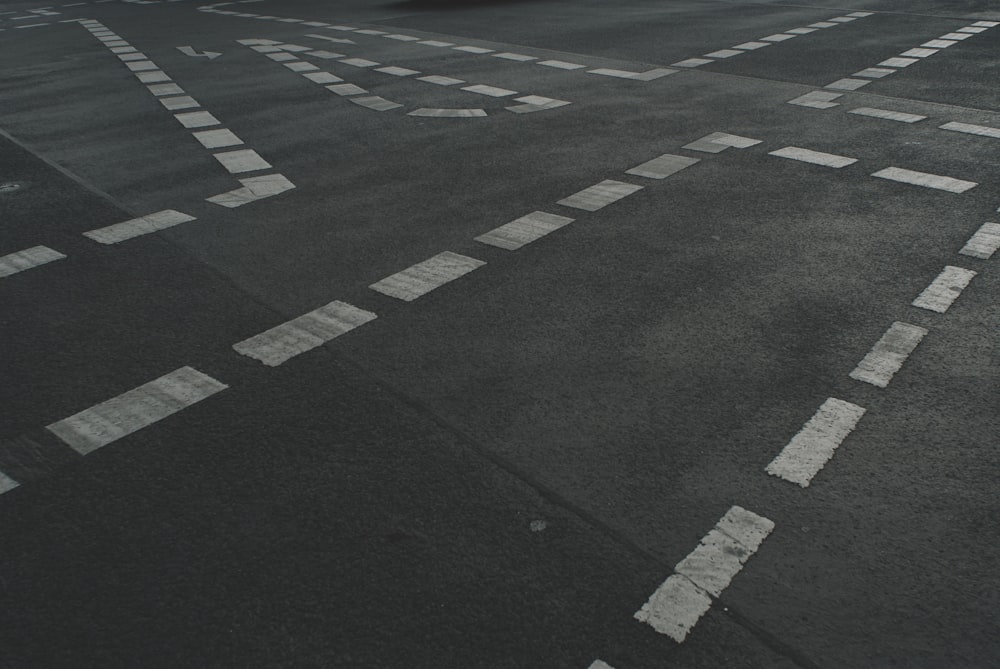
(189,51)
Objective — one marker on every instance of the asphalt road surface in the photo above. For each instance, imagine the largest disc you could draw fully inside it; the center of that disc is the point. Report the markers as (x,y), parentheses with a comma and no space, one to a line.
(501,334)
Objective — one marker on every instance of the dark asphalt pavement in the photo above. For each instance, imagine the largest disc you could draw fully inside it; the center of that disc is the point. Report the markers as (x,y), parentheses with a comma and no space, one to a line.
(501,472)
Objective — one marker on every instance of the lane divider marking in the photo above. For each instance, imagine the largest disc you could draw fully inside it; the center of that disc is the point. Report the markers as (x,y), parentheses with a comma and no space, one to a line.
(524,230)
(924,179)
(426,276)
(813,157)
(809,450)
(12,263)
(135,227)
(888,354)
(599,195)
(944,290)
(984,243)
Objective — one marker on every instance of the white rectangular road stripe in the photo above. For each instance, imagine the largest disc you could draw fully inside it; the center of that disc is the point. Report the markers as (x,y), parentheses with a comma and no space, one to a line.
(425,276)
(517,233)
(561,64)
(887,114)
(984,131)
(896,61)
(242,160)
(717,142)
(923,179)
(984,243)
(196,119)
(7,483)
(599,195)
(813,446)
(888,354)
(13,263)
(848,84)
(217,139)
(945,289)
(138,408)
(304,333)
(254,188)
(662,167)
(492,91)
(817,100)
(919,53)
(675,607)
(136,227)
(814,157)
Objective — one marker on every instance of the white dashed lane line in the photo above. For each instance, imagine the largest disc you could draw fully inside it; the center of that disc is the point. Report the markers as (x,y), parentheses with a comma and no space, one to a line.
(662,167)
(887,114)
(717,142)
(926,180)
(969,129)
(817,100)
(524,230)
(888,355)
(135,227)
(945,289)
(36,256)
(813,157)
(120,416)
(426,276)
(675,607)
(984,243)
(600,195)
(813,446)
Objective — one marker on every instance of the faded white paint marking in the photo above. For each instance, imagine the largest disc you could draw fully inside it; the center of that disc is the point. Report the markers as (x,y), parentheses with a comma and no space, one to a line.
(859,15)
(924,179)
(396,71)
(524,230)
(662,167)
(12,263)
(692,62)
(533,103)
(123,49)
(346,89)
(120,416)
(802,31)
(918,53)
(896,61)
(127,57)
(440,81)
(971,30)
(474,49)
(939,43)
(254,188)
(165,89)
(325,55)
(301,66)
(750,46)
(196,119)
(520,57)
(987,24)
(984,243)
(336,40)
(217,139)
(982,130)
(717,142)
(848,84)
(304,333)
(780,37)
(434,42)
(321,77)
(426,276)
(888,355)
(282,57)
(600,195)
(152,77)
(599,664)
(561,64)
(7,484)
(887,114)
(370,32)
(945,289)
(874,72)
(403,38)
(817,100)
(359,62)
(813,157)
(492,91)
(448,113)
(723,53)
(810,449)
(823,24)
(648,75)
(675,607)
(956,36)
(376,103)
(136,227)
(180,102)
(242,160)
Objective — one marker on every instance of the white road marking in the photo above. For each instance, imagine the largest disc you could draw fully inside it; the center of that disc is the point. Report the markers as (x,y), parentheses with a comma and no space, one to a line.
(370,32)
(802,31)
(971,30)
(956,36)
(285,341)
(874,72)
(780,37)
(987,24)
(12,263)
(153,77)
(426,276)
(939,43)
(600,195)
(254,189)
(823,24)
(126,57)
(887,114)
(199,119)
(321,77)
(814,157)
(648,75)
(982,130)
(448,113)
(403,38)
(301,66)
(375,102)
(944,290)
(524,230)
(809,450)
(7,484)
(492,91)
(918,53)
(984,243)
(136,227)
(324,54)
(599,664)
(888,354)
(924,179)
(817,100)
(437,43)
(396,71)
(282,57)
(896,61)
(120,416)
(860,15)
(717,142)
(675,607)
(723,53)
(533,103)
(473,49)
(848,84)
(346,89)
(359,62)
(242,160)
(440,81)
(180,102)
(561,64)
(165,89)
(662,167)
(514,56)
(336,40)
(123,49)
(692,62)
(750,46)
(217,139)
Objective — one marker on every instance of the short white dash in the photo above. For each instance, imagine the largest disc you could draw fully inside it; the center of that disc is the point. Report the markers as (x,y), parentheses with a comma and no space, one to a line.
(196,119)
(12,263)
(600,195)
(180,102)
(136,227)
(982,130)
(887,114)
(346,89)
(843,19)
(396,71)
(242,160)
(283,57)
(514,56)
(945,289)
(370,32)
(492,91)
(918,53)
(437,43)
(817,100)
(321,77)
(802,31)
(874,72)
(254,189)
(152,77)
(359,62)
(814,157)
(971,30)
(723,53)
(984,243)
(939,43)
(217,139)
(926,180)
(662,167)
(440,81)
(848,84)
(986,24)
(433,112)
(375,103)
(402,38)
(301,66)
(750,46)
(896,61)
(780,37)
(692,62)
(956,36)
(561,64)
(813,446)
(138,408)
(717,142)
(524,230)
(324,54)
(888,355)
(859,15)
(426,276)
(127,57)
(165,89)
(823,24)
(473,49)
(285,341)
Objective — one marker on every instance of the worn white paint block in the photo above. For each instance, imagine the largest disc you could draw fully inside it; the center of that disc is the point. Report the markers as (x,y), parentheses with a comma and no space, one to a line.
(823,24)
(448,113)
(779,37)
(814,445)
(396,71)
(473,49)
(888,355)
(939,43)
(304,333)
(945,289)
(918,53)
(713,564)
(717,142)
(301,66)
(242,160)
(600,195)
(199,119)
(321,77)
(359,62)
(541,102)
(282,57)
(520,57)
(435,43)
(746,527)
(524,230)
(128,57)
(180,102)
(345,89)
(693,62)
(654,74)
(887,114)
(7,484)
(402,38)
(848,84)
(662,167)
(254,189)
(924,179)
(675,607)
(859,15)
(165,89)
(750,46)
(801,31)
(813,157)
(152,77)
(120,416)
(217,139)
(956,36)
(561,64)
(987,24)
(723,53)
(440,81)
(874,72)
(375,103)
(984,243)
(142,66)
(324,54)
(12,263)
(492,91)
(896,61)
(970,129)
(370,32)
(426,276)
(136,227)
(817,100)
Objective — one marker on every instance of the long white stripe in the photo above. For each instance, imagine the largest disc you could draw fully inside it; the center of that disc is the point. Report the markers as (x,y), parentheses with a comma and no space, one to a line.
(813,446)
(887,114)
(599,195)
(888,354)
(135,227)
(138,408)
(517,233)
(6,483)
(814,157)
(304,333)
(984,243)
(662,167)
(675,607)
(12,263)
(945,289)
(924,179)
(968,128)
(425,276)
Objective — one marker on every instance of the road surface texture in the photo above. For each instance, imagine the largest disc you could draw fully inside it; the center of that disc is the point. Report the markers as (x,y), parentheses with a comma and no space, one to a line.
(502,334)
